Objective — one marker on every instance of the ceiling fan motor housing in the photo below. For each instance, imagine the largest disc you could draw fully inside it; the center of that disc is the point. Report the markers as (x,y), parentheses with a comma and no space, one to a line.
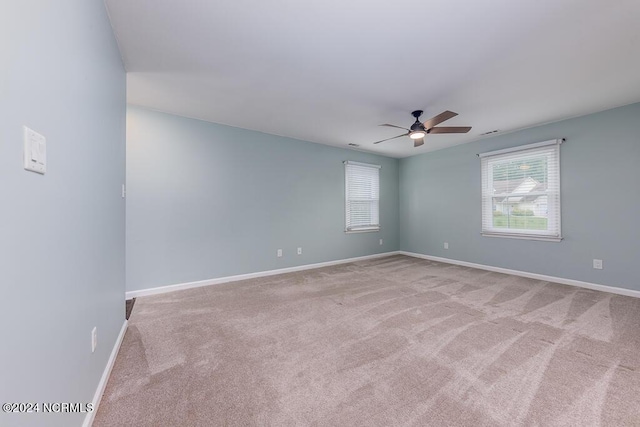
(417,126)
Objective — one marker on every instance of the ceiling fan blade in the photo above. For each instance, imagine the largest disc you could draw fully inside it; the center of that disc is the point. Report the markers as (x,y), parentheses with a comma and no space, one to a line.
(404,134)
(418,142)
(454,129)
(446,115)
(394,126)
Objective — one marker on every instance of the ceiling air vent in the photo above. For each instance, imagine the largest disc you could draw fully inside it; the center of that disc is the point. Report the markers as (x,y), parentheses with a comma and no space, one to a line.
(490,132)
(351,144)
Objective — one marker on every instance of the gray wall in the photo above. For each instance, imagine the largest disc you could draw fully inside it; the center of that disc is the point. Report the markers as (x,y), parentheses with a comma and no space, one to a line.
(207,201)
(600,173)
(61,234)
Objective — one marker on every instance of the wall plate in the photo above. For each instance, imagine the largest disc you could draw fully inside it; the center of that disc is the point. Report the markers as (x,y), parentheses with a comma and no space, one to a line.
(35,151)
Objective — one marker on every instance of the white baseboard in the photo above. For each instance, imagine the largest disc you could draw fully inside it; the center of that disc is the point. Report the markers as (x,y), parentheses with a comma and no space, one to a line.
(571,282)
(88,419)
(189,285)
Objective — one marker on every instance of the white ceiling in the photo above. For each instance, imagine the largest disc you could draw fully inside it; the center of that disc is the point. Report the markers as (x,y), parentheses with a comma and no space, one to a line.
(330,71)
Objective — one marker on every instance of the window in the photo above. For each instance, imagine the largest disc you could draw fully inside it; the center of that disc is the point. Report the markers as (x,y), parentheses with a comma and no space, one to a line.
(521,192)
(362,196)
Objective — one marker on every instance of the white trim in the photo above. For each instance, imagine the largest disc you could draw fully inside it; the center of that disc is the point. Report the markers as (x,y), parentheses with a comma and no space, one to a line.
(363,230)
(570,282)
(522,147)
(219,280)
(370,165)
(523,236)
(97,397)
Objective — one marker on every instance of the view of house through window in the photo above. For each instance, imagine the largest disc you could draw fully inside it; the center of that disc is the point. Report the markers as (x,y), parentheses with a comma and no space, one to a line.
(362,196)
(521,191)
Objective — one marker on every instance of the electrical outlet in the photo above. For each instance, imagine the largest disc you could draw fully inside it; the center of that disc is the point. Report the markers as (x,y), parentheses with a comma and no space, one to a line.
(94,338)
(597,264)
(279,253)
(299,251)
(446,245)
(380,242)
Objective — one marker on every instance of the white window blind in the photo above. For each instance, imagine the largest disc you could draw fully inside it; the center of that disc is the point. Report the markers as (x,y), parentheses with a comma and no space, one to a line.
(521,192)
(362,192)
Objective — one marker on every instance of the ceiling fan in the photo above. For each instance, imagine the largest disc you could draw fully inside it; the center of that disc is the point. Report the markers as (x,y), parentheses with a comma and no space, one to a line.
(418,130)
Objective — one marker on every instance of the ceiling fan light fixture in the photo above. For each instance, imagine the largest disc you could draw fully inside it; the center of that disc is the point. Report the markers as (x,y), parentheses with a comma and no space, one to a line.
(417,134)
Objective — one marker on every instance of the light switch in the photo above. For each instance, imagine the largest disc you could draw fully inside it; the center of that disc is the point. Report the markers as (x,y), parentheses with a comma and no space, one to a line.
(35,151)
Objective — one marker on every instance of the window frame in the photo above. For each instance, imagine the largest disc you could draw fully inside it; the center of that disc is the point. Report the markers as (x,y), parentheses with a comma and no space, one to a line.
(362,228)
(554,217)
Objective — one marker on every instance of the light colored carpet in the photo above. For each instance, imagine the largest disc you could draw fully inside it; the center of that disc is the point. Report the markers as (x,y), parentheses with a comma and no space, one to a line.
(392,341)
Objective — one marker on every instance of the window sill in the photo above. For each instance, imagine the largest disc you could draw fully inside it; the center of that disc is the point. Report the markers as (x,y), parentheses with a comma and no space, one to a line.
(524,237)
(364,230)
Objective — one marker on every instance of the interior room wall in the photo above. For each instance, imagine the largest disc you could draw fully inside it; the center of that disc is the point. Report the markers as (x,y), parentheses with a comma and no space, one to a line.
(440,199)
(206,201)
(61,234)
